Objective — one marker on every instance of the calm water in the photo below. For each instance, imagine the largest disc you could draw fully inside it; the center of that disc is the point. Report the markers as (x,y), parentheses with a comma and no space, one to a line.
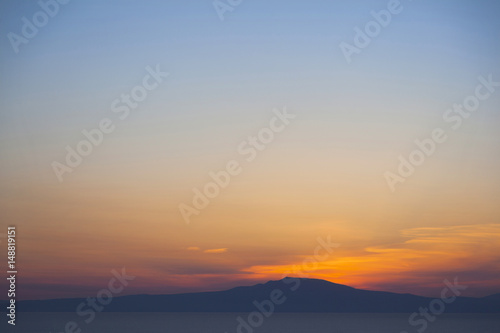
(227,322)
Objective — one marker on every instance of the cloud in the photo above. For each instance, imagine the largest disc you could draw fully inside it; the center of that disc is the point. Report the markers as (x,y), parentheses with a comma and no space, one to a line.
(193,248)
(416,262)
(216,250)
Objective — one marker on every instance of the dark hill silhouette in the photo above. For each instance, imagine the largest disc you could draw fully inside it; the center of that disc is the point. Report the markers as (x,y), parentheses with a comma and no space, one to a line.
(494,297)
(302,295)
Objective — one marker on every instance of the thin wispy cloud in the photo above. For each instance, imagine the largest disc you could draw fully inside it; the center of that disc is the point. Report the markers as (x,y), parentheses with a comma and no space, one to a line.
(426,254)
(216,250)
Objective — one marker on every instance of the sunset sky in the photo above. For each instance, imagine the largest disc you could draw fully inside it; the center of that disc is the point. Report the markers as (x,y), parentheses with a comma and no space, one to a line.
(321,176)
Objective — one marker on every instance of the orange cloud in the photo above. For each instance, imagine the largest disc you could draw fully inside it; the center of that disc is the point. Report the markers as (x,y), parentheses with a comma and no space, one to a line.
(216,250)
(423,257)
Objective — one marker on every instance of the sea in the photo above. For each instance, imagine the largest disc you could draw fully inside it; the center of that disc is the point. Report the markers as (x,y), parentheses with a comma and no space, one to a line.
(70,322)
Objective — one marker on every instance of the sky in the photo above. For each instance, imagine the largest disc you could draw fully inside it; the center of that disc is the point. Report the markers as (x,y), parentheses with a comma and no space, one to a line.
(321,174)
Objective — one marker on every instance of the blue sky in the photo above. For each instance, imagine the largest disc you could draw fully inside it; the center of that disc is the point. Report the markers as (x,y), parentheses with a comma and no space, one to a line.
(353,120)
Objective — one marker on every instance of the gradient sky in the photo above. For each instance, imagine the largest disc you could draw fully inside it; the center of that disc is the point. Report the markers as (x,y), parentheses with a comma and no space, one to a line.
(323,175)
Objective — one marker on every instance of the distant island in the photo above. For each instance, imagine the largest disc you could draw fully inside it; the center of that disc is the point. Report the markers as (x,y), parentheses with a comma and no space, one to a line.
(286,295)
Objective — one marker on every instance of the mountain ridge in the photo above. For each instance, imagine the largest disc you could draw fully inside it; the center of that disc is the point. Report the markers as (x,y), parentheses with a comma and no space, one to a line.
(288,295)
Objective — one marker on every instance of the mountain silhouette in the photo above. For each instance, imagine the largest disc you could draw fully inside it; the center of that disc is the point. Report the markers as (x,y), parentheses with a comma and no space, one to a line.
(287,295)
